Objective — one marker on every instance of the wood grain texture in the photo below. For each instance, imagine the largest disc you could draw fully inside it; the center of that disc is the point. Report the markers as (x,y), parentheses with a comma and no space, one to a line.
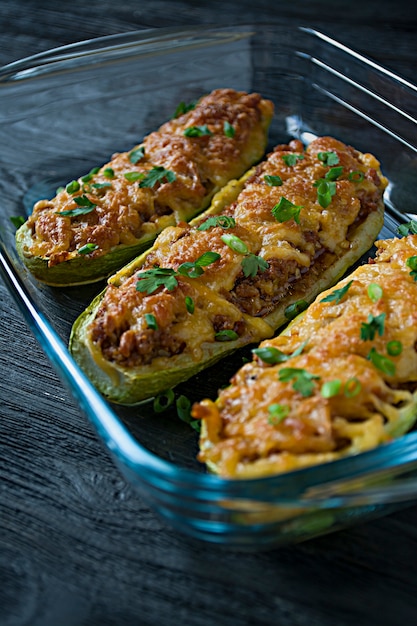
(77,546)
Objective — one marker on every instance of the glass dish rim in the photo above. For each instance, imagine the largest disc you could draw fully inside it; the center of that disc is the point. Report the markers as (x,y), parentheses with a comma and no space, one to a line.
(108,425)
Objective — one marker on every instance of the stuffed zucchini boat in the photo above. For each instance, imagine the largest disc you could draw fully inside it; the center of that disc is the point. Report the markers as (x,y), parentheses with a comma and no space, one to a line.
(341,379)
(284,232)
(104,219)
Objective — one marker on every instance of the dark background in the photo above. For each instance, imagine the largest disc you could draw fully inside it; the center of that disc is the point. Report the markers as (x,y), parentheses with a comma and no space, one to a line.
(77,546)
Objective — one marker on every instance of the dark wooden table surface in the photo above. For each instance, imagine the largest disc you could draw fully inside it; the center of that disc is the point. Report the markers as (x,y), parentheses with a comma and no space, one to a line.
(77,545)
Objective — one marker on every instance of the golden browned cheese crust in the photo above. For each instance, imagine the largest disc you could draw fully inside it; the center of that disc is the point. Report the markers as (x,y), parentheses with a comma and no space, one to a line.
(226,297)
(347,369)
(124,210)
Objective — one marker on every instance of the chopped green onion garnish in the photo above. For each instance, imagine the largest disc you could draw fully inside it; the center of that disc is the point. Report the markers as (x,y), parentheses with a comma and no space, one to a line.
(108,172)
(183,406)
(72,187)
(352,387)
(277,413)
(87,248)
(381,362)
(356,176)
(330,388)
(394,348)
(325,192)
(375,292)
(286,210)
(292,310)
(235,243)
(334,173)
(226,335)
(132,177)
(163,401)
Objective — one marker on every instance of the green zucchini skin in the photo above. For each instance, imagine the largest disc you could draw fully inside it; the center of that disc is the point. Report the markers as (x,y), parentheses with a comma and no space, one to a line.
(78,270)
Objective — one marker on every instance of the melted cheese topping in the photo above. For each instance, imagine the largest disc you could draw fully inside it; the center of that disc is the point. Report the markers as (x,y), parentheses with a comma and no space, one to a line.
(124,212)
(330,343)
(224,297)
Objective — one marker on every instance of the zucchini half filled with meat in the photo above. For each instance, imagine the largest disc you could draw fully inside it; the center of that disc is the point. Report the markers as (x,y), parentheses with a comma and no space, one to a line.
(341,379)
(104,219)
(283,233)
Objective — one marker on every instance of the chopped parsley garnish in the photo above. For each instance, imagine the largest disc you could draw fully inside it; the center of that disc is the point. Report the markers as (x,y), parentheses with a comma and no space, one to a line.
(291,159)
(137,154)
(412,264)
(87,248)
(408,228)
(252,264)
(224,221)
(375,292)
(374,325)
(286,210)
(84,206)
(292,310)
(132,177)
(197,131)
(226,335)
(338,294)
(151,321)
(17,220)
(325,191)
(157,174)
(183,108)
(150,280)
(303,380)
(328,158)
(273,181)
(228,129)
(277,413)
(381,362)
(72,187)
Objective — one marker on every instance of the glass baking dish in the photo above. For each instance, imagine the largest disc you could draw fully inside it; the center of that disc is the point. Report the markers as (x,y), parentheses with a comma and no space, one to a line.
(67,110)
